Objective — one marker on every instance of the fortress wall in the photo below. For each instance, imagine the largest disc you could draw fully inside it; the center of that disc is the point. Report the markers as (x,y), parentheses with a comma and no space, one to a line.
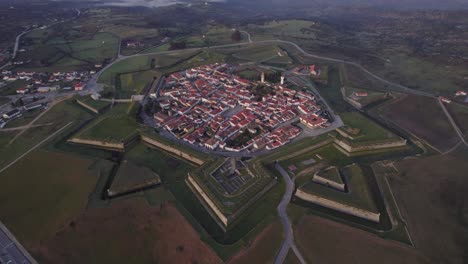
(371,216)
(92,109)
(172,150)
(373,146)
(324,181)
(354,103)
(207,201)
(99,144)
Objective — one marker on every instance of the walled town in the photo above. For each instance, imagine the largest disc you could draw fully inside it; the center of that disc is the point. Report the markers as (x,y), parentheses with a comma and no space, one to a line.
(212,107)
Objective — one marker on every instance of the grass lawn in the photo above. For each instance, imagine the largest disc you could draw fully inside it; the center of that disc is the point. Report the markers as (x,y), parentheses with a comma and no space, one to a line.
(369,131)
(59,116)
(134,83)
(130,175)
(95,104)
(51,199)
(332,174)
(173,173)
(327,154)
(132,64)
(114,126)
(359,196)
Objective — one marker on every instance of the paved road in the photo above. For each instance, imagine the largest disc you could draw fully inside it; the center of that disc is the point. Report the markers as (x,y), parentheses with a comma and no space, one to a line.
(11,251)
(392,86)
(288,242)
(455,126)
(248,35)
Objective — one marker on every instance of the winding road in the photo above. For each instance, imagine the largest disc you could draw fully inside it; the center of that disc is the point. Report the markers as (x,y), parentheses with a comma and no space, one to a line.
(288,242)
(391,85)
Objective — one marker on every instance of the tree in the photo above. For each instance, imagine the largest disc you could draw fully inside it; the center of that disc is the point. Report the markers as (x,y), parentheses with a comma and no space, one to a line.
(236,36)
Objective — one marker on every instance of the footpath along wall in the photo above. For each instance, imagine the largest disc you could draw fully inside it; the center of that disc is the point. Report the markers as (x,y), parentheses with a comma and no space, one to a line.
(207,202)
(98,144)
(371,216)
(172,150)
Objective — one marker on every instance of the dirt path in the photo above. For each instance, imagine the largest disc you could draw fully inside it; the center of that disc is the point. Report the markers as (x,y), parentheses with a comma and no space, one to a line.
(25,127)
(452,122)
(35,147)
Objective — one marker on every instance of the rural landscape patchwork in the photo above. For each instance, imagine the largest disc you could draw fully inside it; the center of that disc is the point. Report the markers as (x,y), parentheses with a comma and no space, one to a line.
(236,131)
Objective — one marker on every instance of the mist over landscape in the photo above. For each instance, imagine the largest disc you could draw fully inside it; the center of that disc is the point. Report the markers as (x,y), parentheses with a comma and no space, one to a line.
(398,4)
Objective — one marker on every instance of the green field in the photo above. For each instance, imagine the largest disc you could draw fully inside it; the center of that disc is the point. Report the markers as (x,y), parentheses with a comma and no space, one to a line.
(329,155)
(59,116)
(130,176)
(369,131)
(53,50)
(173,173)
(332,174)
(283,29)
(371,98)
(115,126)
(52,199)
(360,195)
(98,105)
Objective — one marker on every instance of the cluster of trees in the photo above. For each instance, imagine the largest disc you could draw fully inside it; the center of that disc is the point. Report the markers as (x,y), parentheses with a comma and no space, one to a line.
(236,36)
(175,45)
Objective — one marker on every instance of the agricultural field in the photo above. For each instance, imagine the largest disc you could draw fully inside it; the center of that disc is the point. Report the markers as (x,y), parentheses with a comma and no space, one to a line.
(141,233)
(460,115)
(135,72)
(115,126)
(263,248)
(334,242)
(431,195)
(267,54)
(422,117)
(66,49)
(422,74)
(52,199)
(284,29)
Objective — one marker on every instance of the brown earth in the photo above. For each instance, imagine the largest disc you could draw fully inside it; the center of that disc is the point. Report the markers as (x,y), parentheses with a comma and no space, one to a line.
(432,196)
(263,248)
(129,231)
(324,241)
(424,118)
